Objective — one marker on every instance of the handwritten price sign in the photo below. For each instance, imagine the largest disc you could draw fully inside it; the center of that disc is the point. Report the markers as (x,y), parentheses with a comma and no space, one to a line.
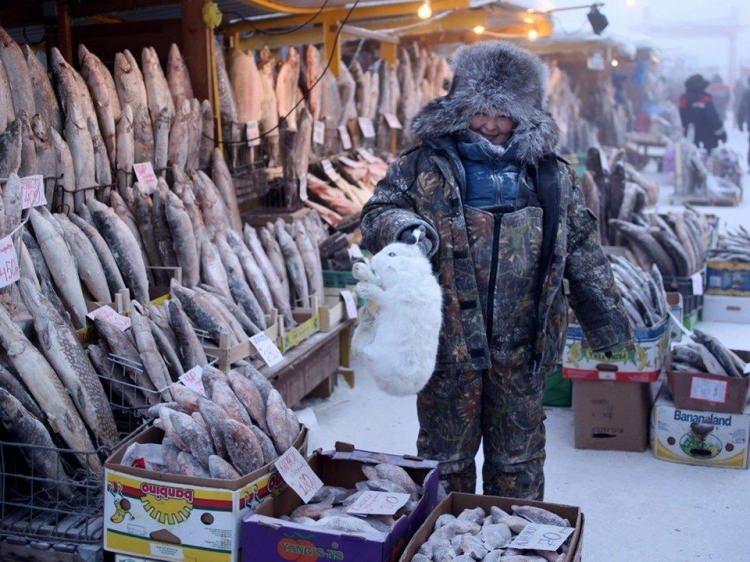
(32,188)
(193,379)
(266,349)
(350,304)
(144,172)
(378,503)
(541,537)
(108,314)
(10,272)
(298,475)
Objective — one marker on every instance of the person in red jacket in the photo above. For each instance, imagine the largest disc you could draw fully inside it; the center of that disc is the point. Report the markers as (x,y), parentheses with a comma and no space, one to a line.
(697,109)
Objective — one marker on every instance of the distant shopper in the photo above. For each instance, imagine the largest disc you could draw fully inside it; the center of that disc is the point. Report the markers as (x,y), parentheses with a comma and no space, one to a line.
(722,94)
(743,115)
(504,221)
(697,109)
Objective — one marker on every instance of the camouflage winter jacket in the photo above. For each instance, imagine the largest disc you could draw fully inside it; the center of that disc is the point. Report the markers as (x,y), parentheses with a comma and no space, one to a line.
(426,187)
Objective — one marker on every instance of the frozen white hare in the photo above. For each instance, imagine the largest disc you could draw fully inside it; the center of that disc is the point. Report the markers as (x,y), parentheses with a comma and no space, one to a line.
(396,339)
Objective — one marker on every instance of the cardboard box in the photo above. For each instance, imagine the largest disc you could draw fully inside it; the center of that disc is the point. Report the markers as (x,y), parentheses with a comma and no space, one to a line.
(699,438)
(726,309)
(456,502)
(172,517)
(612,415)
(708,392)
(728,278)
(331,310)
(677,308)
(267,538)
(641,364)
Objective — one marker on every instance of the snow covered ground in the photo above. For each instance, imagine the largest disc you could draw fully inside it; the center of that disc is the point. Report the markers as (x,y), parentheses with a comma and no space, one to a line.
(637,508)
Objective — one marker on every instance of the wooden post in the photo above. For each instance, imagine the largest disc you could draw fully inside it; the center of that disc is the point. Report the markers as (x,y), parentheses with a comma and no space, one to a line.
(196,41)
(64,39)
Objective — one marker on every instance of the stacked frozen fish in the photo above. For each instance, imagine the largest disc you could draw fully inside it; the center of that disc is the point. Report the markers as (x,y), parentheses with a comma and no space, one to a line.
(706,354)
(642,294)
(732,246)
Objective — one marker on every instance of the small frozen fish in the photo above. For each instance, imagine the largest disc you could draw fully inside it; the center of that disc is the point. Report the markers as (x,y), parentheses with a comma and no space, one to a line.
(189,466)
(242,446)
(539,515)
(221,469)
(266,445)
(496,536)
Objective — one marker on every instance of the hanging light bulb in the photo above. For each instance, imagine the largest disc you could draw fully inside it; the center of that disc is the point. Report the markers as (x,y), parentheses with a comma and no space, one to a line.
(479,29)
(630,3)
(615,63)
(533,34)
(425,10)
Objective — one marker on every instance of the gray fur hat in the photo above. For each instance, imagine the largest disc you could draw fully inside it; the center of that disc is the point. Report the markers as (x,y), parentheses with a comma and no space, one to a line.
(495,78)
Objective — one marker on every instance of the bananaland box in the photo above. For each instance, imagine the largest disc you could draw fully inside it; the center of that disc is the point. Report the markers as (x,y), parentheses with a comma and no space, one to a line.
(700,438)
(173,517)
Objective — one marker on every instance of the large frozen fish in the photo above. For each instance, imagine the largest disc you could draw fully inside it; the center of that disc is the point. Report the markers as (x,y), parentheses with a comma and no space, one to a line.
(222,179)
(269,113)
(82,151)
(310,258)
(45,101)
(276,257)
(207,135)
(213,209)
(42,456)
(190,347)
(143,135)
(250,397)
(61,265)
(102,166)
(124,247)
(13,385)
(238,287)
(161,139)
(286,89)
(131,89)
(194,212)
(183,240)
(157,89)
(46,388)
(10,149)
(277,422)
(313,71)
(65,168)
(66,355)
(242,446)
(195,133)
(125,157)
(161,227)
(6,100)
(28,148)
(212,270)
(178,77)
(253,274)
(19,77)
(101,85)
(204,314)
(90,269)
(279,293)
(142,213)
(12,203)
(45,153)
(226,95)
(229,312)
(150,357)
(294,265)
(245,80)
(179,136)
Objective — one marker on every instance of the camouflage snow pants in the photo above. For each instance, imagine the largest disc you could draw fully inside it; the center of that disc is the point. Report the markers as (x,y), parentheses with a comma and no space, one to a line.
(500,407)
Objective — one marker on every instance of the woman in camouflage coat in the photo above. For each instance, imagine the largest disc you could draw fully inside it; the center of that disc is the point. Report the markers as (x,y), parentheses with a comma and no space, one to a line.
(505,223)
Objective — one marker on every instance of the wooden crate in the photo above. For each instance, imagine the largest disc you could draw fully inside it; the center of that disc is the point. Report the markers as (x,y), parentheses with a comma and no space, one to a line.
(308,324)
(331,309)
(226,354)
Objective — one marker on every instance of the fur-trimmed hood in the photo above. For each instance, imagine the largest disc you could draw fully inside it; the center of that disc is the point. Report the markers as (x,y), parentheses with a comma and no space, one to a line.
(495,78)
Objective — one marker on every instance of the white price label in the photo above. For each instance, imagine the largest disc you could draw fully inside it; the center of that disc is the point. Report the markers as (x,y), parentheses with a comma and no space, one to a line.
(392,120)
(144,173)
(355,252)
(541,537)
(697,279)
(266,349)
(366,126)
(10,272)
(329,170)
(295,471)
(349,162)
(708,389)
(303,188)
(350,304)
(32,188)
(346,140)
(252,133)
(319,132)
(367,155)
(193,379)
(378,503)
(109,314)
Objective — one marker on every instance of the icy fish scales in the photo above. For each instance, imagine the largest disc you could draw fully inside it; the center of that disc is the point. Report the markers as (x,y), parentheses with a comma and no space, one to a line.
(194,435)
(250,397)
(188,465)
(102,88)
(207,135)
(131,89)
(276,421)
(157,90)
(10,383)
(266,445)
(279,294)
(183,237)
(10,149)
(221,469)
(125,155)
(238,287)
(179,135)
(152,360)
(143,135)
(242,446)
(167,349)
(190,347)
(90,269)
(253,274)
(222,179)
(6,99)
(223,396)
(205,316)
(162,124)
(272,250)
(106,259)
(294,265)
(213,416)
(17,71)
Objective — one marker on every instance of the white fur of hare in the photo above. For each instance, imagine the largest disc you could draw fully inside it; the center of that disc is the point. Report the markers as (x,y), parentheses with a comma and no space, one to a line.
(396,340)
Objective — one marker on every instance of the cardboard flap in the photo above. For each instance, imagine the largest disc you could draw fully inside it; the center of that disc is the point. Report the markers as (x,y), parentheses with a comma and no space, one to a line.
(406,461)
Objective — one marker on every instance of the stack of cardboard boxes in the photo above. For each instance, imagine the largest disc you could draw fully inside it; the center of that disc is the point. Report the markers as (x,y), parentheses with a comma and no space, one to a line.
(727,296)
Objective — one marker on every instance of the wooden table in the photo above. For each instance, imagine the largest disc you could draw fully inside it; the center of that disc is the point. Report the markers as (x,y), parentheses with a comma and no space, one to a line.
(311,368)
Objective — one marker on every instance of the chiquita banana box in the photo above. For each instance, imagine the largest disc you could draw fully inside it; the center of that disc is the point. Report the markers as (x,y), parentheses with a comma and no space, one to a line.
(171,517)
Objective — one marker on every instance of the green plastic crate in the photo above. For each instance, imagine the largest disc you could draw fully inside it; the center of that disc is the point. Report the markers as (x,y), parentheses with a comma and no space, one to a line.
(338,279)
(557,391)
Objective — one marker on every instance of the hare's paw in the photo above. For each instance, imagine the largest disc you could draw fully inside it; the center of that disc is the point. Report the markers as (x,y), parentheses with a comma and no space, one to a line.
(362,272)
(369,292)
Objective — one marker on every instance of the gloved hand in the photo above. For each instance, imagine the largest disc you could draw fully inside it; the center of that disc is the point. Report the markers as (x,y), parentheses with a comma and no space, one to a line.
(417,236)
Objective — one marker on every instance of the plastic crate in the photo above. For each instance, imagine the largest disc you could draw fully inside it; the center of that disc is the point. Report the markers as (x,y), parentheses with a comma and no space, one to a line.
(338,279)
(557,390)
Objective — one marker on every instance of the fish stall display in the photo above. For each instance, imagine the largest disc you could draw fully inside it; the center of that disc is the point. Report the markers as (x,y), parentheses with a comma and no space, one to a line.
(707,180)
(477,535)
(706,354)
(642,293)
(732,246)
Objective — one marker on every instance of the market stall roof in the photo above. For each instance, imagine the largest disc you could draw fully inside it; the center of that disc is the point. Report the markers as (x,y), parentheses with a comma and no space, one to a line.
(582,45)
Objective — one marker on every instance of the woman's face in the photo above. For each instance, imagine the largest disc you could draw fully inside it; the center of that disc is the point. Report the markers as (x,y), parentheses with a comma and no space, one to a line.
(497,130)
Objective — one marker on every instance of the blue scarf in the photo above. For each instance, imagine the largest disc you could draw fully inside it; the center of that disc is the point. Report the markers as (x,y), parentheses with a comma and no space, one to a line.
(491,173)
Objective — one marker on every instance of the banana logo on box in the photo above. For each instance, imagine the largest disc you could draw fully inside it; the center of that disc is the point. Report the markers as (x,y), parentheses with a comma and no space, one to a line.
(167,504)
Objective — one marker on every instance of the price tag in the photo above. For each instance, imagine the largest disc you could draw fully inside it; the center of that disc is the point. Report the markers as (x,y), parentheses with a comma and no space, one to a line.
(252,133)
(366,126)
(33,191)
(708,389)
(367,155)
(541,537)
(319,132)
(109,314)
(392,120)
(303,188)
(378,503)
(349,162)
(266,349)
(10,272)
(295,471)
(355,252)
(350,304)
(346,140)
(193,379)
(697,279)
(329,170)
(144,172)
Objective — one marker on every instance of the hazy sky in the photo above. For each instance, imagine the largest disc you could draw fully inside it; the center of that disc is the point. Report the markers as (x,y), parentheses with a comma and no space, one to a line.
(677,24)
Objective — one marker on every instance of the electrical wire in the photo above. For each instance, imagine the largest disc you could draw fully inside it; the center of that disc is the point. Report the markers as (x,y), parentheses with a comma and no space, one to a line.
(249,21)
(282,118)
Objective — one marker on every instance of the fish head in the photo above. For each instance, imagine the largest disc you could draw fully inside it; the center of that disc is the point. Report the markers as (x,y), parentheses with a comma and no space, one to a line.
(122,63)
(39,128)
(83,54)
